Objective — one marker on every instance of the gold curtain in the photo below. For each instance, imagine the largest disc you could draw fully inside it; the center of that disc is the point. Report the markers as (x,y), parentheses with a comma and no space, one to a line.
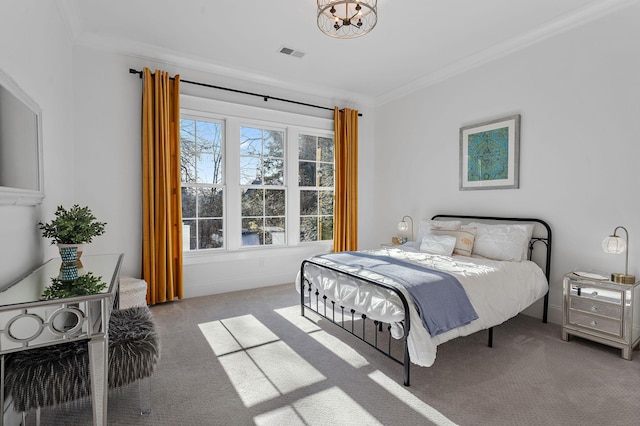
(345,209)
(161,204)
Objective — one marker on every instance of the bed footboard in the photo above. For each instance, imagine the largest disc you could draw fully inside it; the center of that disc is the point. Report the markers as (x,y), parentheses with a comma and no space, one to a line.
(340,315)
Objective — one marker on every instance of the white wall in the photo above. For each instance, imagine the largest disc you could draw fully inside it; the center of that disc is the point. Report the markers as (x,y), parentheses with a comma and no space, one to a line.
(107,112)
(579,97)
(36,53)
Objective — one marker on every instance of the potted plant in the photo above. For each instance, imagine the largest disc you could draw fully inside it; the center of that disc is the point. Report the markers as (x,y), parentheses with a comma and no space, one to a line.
(73,227)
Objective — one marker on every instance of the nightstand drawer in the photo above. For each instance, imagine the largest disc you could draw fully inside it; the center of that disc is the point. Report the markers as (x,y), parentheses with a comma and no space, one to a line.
(602,324)
(597,293)
(596,307)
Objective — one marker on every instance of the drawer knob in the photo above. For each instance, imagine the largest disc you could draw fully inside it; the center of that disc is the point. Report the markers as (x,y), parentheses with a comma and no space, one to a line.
(595,293)
(594,308)
(594,323)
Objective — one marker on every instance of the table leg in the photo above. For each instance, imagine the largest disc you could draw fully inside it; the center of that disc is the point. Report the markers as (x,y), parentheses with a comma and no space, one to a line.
(1,390)
(98,368)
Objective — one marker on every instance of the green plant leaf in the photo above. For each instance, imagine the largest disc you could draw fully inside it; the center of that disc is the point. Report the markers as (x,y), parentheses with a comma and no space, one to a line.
(81,286)
(76,225)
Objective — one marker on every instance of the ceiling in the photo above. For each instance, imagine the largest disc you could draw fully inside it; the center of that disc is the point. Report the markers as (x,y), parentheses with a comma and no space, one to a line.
(415,43)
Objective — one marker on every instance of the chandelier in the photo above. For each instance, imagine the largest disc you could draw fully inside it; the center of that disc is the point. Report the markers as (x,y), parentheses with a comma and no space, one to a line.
(347,18)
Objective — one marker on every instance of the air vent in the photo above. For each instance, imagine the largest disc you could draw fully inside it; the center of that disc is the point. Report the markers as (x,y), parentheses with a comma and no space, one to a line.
(291,52)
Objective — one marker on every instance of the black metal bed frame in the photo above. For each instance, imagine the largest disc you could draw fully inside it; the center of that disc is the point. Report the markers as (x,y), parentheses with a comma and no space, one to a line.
(321,301)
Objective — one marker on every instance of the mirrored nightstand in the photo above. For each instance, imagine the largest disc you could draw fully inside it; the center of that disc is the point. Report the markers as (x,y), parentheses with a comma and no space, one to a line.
(602,311)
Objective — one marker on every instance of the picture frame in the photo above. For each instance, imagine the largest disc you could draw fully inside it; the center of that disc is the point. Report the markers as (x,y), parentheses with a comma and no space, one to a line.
(490,154)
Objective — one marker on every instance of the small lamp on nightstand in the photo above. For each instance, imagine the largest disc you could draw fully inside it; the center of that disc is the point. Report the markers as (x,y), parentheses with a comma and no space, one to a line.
(404,226)
(616,245)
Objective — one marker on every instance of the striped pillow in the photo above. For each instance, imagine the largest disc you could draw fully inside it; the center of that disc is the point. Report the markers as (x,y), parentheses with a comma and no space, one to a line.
(464,238)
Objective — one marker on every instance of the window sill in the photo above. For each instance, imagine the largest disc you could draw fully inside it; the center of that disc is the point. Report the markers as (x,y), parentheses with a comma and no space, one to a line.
(250,253)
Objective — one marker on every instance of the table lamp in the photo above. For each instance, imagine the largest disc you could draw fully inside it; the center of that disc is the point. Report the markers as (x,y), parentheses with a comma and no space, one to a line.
(615,245)
(404,226)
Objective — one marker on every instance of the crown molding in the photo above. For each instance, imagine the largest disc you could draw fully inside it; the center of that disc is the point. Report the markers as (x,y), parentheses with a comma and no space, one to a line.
(563,24)
(171,57)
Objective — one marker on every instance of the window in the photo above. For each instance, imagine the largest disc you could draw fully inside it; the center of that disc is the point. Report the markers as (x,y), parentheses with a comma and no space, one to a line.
(264,197)
(315,178)
(254,178)
(201,173)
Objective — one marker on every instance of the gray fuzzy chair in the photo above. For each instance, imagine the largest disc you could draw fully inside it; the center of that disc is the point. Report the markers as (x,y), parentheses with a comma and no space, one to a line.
(56,374)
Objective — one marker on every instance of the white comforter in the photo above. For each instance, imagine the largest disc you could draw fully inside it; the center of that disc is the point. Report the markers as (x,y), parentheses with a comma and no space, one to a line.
(497,290)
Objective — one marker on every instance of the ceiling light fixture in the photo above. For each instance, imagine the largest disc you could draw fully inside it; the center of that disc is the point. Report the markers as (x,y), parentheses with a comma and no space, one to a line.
(347,18)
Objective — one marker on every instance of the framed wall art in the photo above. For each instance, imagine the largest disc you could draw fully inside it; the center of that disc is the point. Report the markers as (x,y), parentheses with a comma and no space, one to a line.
(490,154)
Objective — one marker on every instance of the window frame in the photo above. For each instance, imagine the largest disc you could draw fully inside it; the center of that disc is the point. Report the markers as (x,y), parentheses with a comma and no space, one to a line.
(235,116)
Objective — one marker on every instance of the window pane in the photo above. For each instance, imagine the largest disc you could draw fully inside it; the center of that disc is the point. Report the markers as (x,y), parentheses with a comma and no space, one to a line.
(250,141)
(210,202)
(208,136)
(210,233)
(208,168)
(188,202)
(187,130)
(275,231)
(251,232)
(325,145)
(273,171)
(250,171)
(325,175)
(307,173)
(308,203)
(273,144)
(326,203)
(275,202)
(307,147)
(252,202)
(187,151)
(326,227)
(309,229)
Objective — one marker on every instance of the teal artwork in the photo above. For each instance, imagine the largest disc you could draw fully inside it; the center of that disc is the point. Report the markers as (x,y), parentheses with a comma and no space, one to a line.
(488,155)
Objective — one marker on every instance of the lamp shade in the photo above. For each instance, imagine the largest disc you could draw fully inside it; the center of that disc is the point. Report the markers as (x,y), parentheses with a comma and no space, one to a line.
(614,245)
(403,226)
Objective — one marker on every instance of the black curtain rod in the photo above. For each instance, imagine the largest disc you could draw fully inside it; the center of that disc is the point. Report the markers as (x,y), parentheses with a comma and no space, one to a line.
(265,97)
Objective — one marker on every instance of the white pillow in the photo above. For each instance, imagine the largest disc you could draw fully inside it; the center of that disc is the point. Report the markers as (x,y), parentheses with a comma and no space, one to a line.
(438,244)
(464,238)
(502,241)
(425,225)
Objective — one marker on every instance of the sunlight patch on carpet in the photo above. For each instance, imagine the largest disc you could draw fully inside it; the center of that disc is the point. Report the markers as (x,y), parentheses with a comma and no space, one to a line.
(286,369)
(333,407)
(259,365)
(220,340)
(281,416)
(328,407)
(335,345)
(292,314)
(409,399)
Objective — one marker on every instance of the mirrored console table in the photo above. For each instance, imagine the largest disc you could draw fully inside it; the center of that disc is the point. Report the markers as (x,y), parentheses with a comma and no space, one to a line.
(27,322)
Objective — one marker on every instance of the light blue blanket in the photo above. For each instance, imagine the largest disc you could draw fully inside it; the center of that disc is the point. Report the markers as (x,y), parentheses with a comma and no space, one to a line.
(439,297)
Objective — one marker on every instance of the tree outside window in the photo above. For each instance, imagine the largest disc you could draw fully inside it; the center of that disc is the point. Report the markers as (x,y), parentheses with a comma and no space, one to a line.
(262,182)
(316,181)
(201,171)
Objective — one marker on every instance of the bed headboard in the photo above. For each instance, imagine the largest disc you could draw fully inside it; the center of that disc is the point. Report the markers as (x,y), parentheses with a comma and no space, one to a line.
(540,240)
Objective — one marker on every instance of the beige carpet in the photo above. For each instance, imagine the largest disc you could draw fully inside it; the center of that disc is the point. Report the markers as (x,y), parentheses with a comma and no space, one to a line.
(249,358)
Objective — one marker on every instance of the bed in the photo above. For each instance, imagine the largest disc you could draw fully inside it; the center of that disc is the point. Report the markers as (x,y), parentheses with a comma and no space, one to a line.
(483,271)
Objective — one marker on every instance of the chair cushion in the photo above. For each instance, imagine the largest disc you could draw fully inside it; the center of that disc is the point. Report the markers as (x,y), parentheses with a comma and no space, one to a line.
(56,374)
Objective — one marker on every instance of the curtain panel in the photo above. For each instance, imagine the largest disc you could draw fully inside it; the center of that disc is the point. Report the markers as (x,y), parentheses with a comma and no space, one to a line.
(161,203)
(345,209)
